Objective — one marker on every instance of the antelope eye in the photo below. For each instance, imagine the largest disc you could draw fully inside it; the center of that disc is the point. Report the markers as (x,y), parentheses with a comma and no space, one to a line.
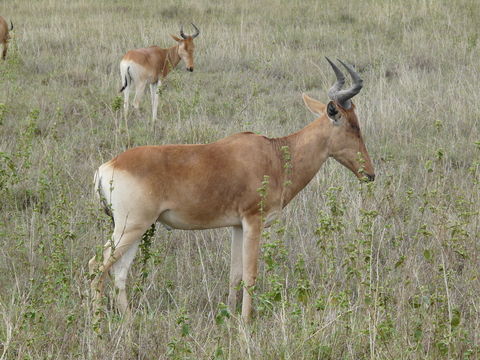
(331,110)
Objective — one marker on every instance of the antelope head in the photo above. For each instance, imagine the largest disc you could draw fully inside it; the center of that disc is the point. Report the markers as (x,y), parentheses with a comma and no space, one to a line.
(345,142)
(186,46)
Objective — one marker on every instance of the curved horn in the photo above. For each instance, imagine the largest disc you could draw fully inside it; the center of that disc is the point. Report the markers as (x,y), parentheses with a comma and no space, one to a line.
(197,32)
(343,96)
(182,34)
(357,82)
(332,93)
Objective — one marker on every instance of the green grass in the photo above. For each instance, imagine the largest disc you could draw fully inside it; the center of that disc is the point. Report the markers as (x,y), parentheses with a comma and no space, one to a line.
(388,270)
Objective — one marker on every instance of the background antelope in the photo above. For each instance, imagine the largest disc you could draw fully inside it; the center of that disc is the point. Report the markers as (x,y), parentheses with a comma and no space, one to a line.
(215,185)
(147,66)
(4,35)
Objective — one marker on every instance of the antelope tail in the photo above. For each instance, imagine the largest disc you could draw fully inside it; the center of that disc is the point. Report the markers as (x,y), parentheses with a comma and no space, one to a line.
(126,79)
(11,25)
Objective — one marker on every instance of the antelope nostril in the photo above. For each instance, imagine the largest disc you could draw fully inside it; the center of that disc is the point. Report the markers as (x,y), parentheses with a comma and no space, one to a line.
(370,177)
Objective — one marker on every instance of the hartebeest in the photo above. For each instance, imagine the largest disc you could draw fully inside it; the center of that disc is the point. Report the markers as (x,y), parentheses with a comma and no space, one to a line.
(148,66)
(4,35)
(215,185)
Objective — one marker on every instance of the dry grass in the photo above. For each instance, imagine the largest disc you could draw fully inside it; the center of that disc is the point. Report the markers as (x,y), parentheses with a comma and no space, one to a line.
(384,271)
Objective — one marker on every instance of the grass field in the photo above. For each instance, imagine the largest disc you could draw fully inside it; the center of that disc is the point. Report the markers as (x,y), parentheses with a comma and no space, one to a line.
(386,270)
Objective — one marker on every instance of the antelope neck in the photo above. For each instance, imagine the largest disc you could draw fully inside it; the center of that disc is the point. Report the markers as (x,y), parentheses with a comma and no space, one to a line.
(308,151)
(172,58)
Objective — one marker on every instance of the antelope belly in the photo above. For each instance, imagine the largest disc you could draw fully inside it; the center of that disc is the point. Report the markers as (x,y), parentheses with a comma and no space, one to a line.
(183,221)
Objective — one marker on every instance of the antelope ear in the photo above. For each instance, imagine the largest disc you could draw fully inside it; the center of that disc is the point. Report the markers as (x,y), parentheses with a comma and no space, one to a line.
(176,38)
(313,105)
(333,113)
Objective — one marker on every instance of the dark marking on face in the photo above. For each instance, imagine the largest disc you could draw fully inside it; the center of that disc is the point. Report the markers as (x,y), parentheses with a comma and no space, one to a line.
(354,126)
(351,117)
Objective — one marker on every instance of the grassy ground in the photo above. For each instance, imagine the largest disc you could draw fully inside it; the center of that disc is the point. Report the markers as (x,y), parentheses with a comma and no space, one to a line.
(388,270)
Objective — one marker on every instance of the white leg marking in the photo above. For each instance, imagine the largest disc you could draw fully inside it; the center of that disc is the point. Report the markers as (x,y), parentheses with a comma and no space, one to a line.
(139,90)
(154,93)
(236,269)
(120,271)
(125,236)
(126,97)
(252,228)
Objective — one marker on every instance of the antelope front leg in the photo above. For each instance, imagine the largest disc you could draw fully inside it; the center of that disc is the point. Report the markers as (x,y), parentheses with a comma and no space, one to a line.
(236,269)
(252,228)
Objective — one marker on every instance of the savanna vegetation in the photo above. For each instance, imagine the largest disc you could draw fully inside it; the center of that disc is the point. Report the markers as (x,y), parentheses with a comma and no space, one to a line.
(352,270)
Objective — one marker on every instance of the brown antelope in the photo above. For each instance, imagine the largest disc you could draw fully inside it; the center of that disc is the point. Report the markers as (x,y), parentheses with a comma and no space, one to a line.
(216,185)
(150,65)
(4,35)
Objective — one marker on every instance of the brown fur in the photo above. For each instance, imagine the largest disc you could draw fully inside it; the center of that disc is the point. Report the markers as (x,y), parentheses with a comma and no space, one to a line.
(216,185)
(158,62)
(4,36)
(219,171)
(149,66)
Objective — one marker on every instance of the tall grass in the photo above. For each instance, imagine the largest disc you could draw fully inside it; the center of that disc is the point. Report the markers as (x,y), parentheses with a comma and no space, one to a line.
(388,270)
